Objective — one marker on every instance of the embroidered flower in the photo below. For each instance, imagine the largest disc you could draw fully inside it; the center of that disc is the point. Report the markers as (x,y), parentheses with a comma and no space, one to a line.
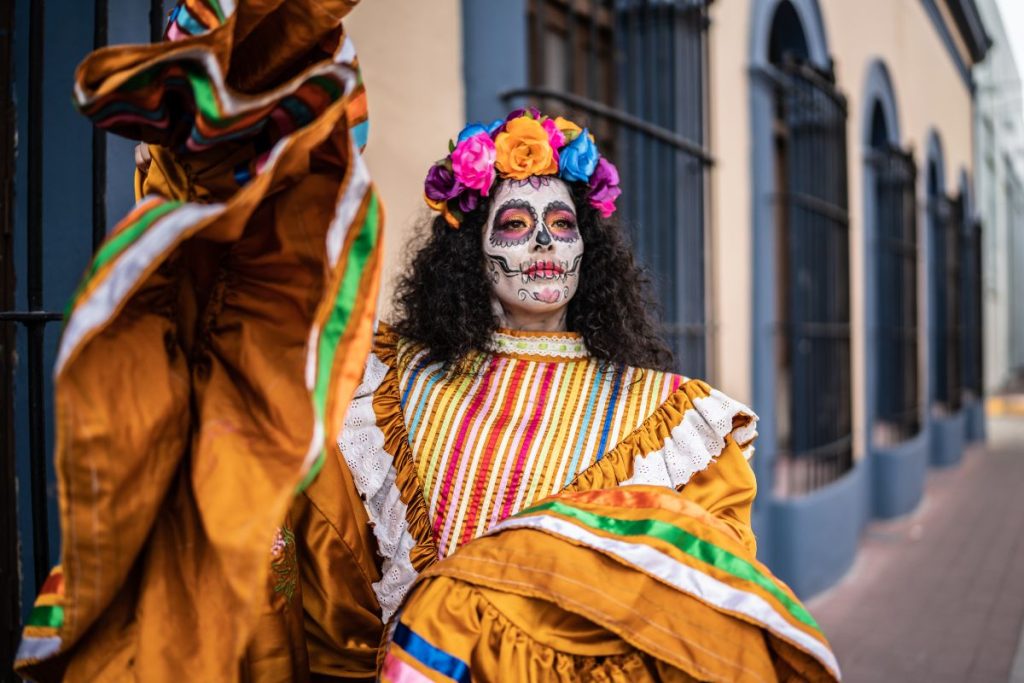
(578,159)
(473,162)
(283,565)
(604,187)
(523,150)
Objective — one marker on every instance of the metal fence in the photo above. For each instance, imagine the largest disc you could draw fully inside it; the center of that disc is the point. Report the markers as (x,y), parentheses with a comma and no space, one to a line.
(812,220)
(31,59)
(896,346)
(636,72)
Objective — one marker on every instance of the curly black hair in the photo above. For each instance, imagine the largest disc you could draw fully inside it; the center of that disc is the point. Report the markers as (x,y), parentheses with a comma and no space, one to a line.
(442,300)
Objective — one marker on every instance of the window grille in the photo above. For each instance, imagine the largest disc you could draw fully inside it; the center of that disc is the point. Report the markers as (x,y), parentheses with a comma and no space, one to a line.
(24,317)
(635,71)
(896,343)
(814,385)
(971,309)
(946,218)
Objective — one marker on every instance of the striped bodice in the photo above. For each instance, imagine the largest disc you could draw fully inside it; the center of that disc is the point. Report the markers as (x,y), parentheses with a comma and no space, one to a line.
(518,428)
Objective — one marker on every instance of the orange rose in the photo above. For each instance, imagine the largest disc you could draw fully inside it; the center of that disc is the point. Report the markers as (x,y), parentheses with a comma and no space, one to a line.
(523,150)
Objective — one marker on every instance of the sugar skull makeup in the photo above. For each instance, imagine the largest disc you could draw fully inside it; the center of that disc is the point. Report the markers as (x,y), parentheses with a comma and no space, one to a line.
(533,245)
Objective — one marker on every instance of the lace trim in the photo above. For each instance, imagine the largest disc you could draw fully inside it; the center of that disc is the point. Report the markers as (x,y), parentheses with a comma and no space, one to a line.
(362,445)
(696,441)
(565,346)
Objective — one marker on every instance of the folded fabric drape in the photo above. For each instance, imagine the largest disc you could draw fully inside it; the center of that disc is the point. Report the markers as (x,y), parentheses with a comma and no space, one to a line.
(213,345)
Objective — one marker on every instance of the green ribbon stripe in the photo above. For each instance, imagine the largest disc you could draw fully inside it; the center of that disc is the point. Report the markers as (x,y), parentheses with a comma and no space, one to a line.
(698,548)
(46,615)
(334,328)
(113,247)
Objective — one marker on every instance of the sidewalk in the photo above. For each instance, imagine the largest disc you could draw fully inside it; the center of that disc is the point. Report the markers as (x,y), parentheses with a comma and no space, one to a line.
(938,596)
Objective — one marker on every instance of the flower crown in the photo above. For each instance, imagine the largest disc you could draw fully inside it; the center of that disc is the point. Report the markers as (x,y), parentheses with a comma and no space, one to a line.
(522,145)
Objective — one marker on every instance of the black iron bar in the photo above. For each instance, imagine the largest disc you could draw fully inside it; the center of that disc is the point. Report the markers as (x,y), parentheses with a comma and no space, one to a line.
(616,115)
(28,317)
(34,243)
(156,21)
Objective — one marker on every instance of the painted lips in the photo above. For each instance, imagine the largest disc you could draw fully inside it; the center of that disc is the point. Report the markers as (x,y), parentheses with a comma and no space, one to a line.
(544,270)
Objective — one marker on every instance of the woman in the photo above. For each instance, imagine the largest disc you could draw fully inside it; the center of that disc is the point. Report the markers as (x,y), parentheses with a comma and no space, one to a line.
(546,502)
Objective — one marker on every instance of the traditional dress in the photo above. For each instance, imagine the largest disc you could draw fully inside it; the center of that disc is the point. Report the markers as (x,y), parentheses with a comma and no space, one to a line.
(610,508)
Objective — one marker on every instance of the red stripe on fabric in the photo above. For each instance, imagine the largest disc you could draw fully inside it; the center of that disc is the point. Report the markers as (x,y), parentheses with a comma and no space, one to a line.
(460,442)
(531,432)
(483,473)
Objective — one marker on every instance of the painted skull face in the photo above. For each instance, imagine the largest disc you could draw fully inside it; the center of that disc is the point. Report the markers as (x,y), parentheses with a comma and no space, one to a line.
(533,245)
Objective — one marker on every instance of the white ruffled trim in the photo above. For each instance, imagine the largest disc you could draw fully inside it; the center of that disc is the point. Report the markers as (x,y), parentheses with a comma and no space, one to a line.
(695,442)
(362,445)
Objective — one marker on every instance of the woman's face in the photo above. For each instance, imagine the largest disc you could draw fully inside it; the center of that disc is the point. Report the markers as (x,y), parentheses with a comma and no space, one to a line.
(533,248)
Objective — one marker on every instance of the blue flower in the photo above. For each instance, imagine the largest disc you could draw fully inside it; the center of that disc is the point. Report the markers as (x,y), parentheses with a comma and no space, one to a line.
(578,159)
(472,129)
(495,125)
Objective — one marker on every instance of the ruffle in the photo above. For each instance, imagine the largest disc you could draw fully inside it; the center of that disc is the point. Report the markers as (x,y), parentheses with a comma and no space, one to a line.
(682,437)
(519,638)
(375,446)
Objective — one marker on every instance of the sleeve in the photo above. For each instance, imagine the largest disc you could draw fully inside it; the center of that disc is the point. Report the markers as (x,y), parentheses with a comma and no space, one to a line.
(726,489)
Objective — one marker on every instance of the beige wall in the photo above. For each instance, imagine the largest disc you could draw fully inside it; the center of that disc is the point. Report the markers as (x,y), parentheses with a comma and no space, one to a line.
(411,55)
(929,95)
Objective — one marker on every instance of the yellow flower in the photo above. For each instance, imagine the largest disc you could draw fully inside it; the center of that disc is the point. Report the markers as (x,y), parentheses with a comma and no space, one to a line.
(568,128)
(523,150)
(442,207)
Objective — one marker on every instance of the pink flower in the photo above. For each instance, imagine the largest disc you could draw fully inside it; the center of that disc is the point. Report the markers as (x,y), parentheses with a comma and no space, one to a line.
(555,136)
(473,162)
(605,206)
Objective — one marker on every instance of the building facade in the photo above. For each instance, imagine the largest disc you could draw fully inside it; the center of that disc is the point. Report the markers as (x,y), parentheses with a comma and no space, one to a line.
(999,164)
(798,177)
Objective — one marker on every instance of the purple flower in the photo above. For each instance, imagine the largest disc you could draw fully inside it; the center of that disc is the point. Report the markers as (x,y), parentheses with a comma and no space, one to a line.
(604,187)
(441,183)
(532,112)
(468,200)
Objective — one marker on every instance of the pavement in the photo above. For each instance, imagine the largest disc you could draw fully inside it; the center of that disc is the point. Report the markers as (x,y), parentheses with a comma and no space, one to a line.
(938,595)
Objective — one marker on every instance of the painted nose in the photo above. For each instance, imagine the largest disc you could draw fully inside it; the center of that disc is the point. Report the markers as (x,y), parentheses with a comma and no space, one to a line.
(543,237)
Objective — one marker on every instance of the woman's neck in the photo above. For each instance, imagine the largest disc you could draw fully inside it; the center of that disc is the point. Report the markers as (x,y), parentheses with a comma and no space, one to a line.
(530,321)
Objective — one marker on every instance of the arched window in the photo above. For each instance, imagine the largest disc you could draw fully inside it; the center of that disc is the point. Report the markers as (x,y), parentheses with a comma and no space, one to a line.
(636,73)
(813,386)
(895,346)
(945,220)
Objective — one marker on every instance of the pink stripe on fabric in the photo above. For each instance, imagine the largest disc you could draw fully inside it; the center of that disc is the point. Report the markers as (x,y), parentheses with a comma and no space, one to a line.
(397,671)
(677,382)
(457,450)
(134,118)
(514,443)
(462,479)
(175,33)
(531,432)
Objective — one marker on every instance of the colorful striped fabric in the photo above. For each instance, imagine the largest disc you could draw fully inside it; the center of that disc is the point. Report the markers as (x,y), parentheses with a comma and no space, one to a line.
(40,638)
(218,113)
(520,428)
(196,17)
(412,658)
(677,547)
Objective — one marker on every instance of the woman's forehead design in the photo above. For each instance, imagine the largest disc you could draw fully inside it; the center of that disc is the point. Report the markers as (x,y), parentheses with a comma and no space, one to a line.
(539,194)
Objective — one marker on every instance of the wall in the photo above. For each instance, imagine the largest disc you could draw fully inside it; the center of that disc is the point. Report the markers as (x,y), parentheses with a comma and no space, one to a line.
(411,56)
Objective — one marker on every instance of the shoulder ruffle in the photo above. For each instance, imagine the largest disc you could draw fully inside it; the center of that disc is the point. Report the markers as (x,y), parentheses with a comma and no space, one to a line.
(375,446)
(682,437)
